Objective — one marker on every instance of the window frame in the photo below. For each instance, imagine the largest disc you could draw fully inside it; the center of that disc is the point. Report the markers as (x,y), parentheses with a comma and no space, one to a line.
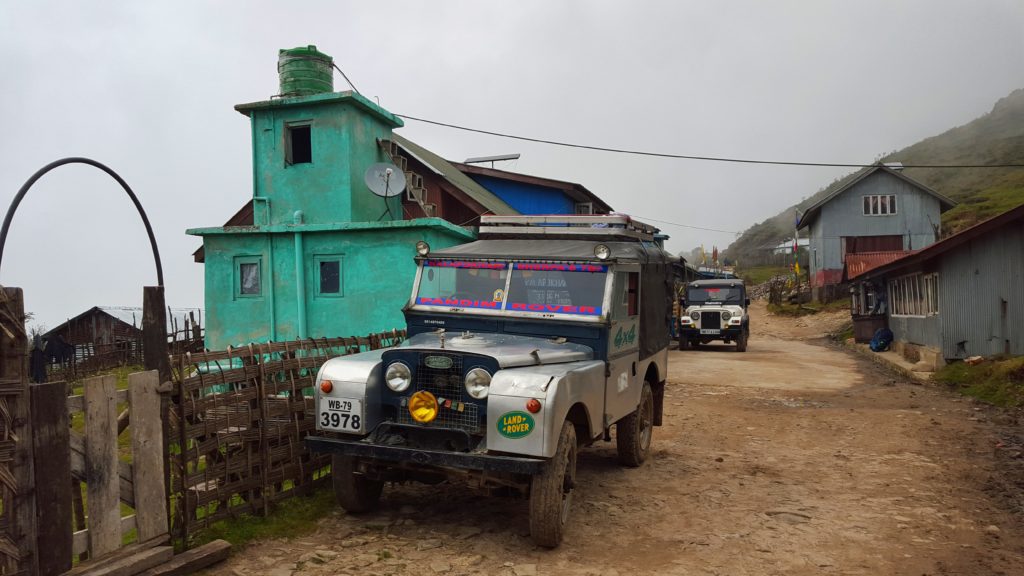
(872,205)
(237,275)
(289,159)
(318,260)
(914,295)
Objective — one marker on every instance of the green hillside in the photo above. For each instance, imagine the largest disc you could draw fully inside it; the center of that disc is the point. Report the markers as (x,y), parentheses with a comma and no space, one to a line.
(995,138)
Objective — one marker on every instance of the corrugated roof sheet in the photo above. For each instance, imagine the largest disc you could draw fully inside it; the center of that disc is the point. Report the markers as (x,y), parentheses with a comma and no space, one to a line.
(946,244)
(864,262)
(455,176)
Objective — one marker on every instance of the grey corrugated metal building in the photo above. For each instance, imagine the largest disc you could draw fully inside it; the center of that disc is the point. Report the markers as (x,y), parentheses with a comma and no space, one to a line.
(963,296)
(876,209)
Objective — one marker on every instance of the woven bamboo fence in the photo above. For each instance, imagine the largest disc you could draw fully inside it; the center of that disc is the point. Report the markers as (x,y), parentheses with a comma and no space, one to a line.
(237,420)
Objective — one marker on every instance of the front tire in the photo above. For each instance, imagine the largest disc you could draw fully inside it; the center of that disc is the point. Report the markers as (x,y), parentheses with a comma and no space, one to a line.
(354,492)
(551,492)
(633,433)
(741,342)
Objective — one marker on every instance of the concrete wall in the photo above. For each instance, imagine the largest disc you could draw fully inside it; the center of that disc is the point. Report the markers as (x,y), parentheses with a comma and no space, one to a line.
(331,188)
(377,273)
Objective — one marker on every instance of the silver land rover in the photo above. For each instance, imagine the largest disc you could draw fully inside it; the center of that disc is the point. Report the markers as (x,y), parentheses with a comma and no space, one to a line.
(525,345)
(714,310)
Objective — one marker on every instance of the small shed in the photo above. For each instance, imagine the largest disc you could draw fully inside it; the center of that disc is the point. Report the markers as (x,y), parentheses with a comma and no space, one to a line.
(962,296)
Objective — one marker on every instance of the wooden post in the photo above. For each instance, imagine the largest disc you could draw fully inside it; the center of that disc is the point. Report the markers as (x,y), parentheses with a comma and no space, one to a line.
(154,332)
(51,442)
(147,454)
(14,373)
(102,484)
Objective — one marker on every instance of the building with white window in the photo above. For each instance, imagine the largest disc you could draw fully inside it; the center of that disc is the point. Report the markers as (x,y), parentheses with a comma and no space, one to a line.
(960,297)
(878,209)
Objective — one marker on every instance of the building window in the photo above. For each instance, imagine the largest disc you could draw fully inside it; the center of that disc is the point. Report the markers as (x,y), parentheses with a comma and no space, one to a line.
(880,205)
(248,281)
(915,295)
(298,144)
(584,207)
(329,269)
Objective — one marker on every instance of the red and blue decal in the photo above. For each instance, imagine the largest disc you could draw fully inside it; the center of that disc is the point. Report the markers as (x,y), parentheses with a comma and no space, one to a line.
(536,267)
(513,306)
(459,303)
(554,308)
(466,264)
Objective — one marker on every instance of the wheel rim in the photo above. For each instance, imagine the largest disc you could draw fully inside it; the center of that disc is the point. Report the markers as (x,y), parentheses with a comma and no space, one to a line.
(568,482)
(646,420)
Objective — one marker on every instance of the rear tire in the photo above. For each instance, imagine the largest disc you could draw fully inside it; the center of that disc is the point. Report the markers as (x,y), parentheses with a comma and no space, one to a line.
(551,492)
(633,433)
(354,492)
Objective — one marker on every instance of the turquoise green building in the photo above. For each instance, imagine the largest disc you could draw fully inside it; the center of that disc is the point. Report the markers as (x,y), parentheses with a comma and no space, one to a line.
(324,256)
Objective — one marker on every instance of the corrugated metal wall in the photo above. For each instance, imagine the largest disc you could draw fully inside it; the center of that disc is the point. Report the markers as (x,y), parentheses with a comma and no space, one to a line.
(916,213)
(981,295)
(923,331)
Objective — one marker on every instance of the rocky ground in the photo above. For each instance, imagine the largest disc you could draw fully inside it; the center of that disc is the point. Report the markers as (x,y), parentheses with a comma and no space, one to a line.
(792,458)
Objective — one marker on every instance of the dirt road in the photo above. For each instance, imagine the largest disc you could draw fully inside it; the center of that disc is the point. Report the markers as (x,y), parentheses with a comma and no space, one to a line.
(791,458)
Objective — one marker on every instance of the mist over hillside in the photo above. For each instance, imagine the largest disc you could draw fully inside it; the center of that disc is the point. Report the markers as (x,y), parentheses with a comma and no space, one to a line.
(994,138)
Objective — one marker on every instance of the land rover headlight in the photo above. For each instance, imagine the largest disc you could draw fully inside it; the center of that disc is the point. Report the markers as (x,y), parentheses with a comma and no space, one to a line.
(726,315)
(695,315)
(478,382)
(398,376)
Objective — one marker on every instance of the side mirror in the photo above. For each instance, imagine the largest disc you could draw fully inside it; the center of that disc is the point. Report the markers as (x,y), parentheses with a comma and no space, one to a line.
(746,301)
(682,303)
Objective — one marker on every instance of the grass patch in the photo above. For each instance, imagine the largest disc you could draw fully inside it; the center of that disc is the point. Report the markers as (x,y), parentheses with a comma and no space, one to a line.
(999,381)
(761,274)
(289,518)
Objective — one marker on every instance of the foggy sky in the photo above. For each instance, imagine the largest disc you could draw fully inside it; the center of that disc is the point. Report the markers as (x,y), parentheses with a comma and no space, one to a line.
(148,88)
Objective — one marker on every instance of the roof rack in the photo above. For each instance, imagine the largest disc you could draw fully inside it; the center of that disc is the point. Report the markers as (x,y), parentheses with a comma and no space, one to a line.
(577,226)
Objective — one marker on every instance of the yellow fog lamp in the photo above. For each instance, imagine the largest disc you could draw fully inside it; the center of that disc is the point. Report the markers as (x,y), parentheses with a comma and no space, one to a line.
(423,406)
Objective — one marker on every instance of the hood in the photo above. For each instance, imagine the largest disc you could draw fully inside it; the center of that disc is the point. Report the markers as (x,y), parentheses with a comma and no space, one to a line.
(509,350)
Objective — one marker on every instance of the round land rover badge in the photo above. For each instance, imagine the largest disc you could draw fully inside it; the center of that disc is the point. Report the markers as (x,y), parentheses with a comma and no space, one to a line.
(515,424)
(438,362)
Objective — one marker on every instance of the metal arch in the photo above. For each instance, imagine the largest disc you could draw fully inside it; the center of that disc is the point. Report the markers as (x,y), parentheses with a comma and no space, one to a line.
(77,160)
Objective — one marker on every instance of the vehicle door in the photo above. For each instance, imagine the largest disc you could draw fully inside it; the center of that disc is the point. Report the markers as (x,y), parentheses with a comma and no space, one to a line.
(622,390)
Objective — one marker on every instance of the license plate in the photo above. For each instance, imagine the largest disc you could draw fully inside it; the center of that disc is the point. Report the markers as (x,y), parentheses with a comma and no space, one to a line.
(341,414)
(710,331)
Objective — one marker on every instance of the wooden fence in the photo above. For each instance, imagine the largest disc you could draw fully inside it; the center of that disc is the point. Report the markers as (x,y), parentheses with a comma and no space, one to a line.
(237,421)
(17,498)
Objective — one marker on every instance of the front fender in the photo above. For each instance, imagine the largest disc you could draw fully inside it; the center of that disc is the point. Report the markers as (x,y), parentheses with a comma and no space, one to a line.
(558,387)
(354,377)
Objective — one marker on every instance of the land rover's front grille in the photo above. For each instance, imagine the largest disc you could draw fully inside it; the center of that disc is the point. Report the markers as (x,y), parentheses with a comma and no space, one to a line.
(711,320)
(446,384)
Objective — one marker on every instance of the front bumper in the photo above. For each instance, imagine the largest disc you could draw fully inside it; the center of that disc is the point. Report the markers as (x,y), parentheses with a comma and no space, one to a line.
(730,333)
(439,458)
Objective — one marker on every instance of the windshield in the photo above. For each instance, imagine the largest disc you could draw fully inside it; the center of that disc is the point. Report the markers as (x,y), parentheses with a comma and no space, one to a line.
(462,284)
(716,294)
(558,288)
(576,289)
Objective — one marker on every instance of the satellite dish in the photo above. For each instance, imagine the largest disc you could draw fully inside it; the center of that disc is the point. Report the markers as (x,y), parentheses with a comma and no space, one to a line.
(385,179)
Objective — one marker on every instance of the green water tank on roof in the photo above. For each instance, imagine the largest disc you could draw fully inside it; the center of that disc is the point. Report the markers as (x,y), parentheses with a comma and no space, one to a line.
(305,71)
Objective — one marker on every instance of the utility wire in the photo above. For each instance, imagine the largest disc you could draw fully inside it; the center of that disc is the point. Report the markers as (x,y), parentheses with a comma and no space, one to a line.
(690,157)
